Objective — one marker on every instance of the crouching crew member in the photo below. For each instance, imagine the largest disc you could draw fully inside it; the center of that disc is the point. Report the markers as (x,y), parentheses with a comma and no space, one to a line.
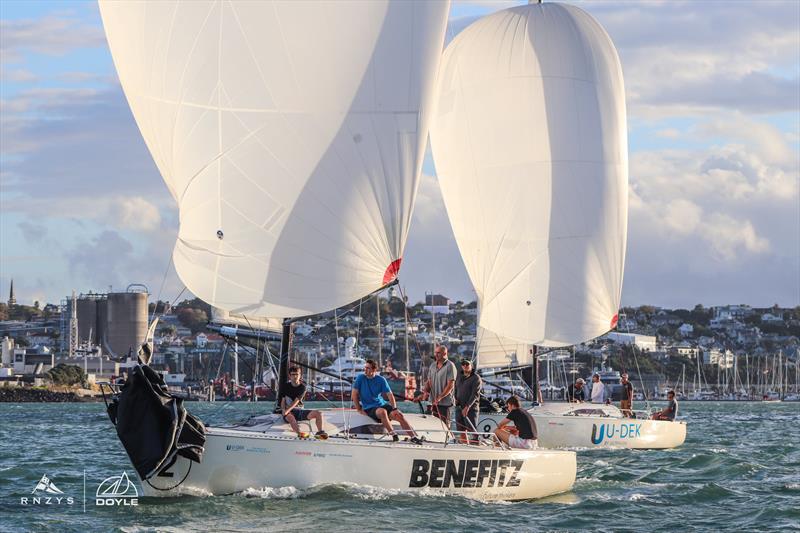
(524,427)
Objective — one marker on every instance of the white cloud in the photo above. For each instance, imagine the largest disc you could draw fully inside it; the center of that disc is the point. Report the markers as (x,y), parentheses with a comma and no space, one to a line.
(20,75)
(55,34)
(136,213)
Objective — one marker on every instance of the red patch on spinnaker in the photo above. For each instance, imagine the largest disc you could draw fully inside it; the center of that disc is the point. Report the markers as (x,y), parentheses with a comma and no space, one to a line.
(614,321)
(391,271)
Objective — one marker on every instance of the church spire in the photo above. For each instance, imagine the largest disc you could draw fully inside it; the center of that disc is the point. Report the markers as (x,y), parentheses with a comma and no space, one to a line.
(11,299)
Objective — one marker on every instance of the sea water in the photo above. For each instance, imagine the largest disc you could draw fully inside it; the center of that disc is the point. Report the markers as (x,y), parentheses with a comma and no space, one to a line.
(739,470)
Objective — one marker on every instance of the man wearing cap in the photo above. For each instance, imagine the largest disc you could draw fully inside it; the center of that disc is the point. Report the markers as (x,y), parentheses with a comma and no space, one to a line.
(468,393)
(626,403)
(440,385)
(575,392)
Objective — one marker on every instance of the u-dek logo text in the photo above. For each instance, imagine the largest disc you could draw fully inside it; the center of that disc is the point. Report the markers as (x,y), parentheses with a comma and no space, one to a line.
(117,490)
(441,473)
(609,431)
(46,493)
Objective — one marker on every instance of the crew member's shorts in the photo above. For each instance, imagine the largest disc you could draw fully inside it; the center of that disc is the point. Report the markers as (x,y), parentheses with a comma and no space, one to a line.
(526,444)
(371,411)
(625,405)
(299,414)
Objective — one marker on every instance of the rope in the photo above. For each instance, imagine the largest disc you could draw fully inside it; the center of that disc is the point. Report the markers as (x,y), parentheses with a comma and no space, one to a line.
(161,288)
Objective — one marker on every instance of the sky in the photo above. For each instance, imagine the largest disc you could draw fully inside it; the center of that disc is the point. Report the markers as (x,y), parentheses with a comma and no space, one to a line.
(713,100)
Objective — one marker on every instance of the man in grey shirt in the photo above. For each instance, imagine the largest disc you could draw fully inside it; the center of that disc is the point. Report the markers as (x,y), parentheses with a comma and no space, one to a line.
(440,385)
(468,392)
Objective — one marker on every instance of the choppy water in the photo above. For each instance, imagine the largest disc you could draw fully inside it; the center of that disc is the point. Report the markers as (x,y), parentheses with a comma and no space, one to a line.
(739,470)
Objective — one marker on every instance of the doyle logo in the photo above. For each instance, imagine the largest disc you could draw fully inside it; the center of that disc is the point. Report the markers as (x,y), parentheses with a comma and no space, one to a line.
(609,431)
(465,474)
(117,490)
(46,493)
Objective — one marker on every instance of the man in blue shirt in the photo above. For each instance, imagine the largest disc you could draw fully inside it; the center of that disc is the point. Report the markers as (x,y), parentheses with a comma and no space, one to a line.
(370,394)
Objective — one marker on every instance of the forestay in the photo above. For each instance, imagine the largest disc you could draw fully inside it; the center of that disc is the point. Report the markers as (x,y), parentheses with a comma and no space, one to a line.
(291,135)
(529,141)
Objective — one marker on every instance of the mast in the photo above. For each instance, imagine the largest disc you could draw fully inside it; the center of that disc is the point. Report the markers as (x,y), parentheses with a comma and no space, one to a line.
(380,330)
(283,362)
(236,360)
(405,316)
(535,380)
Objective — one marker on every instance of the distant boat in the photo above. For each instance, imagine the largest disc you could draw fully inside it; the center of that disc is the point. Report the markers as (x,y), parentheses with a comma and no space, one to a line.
(530,146)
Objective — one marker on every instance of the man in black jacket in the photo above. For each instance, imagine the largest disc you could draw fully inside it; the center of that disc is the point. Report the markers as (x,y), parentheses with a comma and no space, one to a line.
(575,392)
(468,393)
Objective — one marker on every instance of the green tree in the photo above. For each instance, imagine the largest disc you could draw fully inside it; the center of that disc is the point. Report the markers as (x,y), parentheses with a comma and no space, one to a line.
(194,319)
(68,375)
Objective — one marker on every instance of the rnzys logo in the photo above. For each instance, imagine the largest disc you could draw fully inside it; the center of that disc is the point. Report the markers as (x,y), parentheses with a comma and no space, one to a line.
(46,493)
(117,490)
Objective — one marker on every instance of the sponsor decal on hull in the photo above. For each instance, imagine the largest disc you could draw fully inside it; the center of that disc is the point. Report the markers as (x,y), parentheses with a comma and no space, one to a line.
(444,473)
(602,432)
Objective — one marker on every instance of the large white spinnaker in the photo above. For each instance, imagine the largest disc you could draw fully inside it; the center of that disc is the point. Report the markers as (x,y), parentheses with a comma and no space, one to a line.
(291,135)
(529,140)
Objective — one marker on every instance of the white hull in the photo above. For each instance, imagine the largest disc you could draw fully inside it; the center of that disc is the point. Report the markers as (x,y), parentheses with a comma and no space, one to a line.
(557,430)
(237,459)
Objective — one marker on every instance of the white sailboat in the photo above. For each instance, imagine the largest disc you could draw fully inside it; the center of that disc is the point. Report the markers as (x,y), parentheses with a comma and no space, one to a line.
(530,145)
(291,135)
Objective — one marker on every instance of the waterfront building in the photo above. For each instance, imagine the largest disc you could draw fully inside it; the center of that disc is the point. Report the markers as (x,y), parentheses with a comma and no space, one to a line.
(646,343)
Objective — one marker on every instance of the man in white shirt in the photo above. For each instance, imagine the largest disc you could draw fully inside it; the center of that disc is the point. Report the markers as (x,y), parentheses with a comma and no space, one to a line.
(598,390)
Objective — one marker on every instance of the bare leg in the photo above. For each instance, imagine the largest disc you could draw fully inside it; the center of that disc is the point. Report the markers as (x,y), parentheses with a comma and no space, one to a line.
(502,434)
(397,415)
(381,412)
(293,422)
(317,416)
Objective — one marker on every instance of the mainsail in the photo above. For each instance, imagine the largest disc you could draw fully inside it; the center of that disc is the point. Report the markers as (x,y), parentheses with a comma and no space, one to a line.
(529,140)
(496,351)
(291,135)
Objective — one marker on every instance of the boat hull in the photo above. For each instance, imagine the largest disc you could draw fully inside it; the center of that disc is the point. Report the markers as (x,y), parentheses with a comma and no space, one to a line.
(235,461)
(598,432)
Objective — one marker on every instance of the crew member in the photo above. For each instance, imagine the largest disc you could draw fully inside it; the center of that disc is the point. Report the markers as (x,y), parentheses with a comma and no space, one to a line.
(291,403)
(670,411)
(575,392)
(372,397)
(440,385)
(598,390)
(523,434)
(626,403)
(468,393)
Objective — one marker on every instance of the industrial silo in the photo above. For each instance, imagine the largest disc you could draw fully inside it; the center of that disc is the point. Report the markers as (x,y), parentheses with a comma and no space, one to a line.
(87,318)
(126,327)
(102,321)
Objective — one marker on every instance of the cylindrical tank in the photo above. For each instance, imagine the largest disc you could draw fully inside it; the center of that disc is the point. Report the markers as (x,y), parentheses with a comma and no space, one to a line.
(102,321)
(126,327)
(87,319)
(6,349)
